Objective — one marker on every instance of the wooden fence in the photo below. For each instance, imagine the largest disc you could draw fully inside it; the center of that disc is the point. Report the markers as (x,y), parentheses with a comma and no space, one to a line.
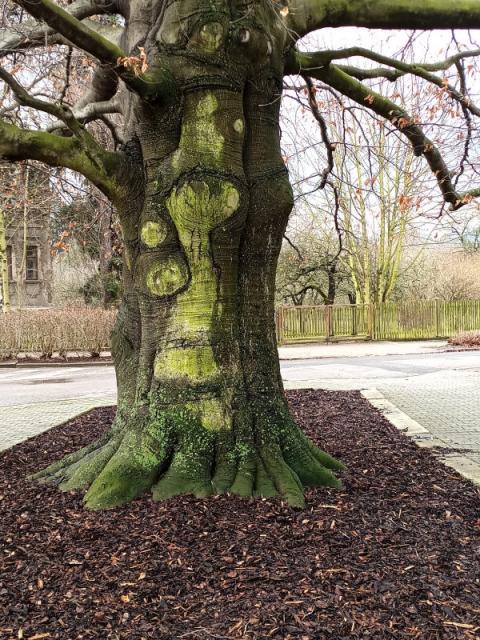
(422,319)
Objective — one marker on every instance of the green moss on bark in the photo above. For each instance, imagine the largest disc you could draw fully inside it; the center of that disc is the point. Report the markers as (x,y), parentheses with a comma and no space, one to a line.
(153,233)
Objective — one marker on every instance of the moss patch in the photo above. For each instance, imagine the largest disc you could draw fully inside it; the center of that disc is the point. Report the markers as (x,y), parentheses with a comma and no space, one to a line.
(167,276)
(200,133)
(153,233)
(194,363)
(212,414)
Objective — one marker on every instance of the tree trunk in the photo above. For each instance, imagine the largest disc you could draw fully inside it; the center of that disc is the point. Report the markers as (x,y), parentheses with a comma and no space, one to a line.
(4,281)
(201,407)
(332,282)
(104,209)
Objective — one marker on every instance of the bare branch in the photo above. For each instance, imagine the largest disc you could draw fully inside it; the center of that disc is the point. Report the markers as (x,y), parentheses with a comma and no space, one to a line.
(294,247)
(309,61)
(22,96)
(403,122)
(312,101)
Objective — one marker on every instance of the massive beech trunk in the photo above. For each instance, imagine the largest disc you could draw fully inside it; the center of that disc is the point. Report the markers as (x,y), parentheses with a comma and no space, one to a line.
(201,407)
(203,196)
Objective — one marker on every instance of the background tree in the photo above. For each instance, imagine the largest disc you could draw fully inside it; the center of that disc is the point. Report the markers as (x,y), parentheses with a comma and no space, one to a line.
(88,225)
(310,270)
(204,198)
(4,280)
(378,204)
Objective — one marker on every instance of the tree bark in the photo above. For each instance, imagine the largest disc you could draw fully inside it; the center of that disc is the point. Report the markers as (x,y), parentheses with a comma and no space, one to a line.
(4,281)
(201,407)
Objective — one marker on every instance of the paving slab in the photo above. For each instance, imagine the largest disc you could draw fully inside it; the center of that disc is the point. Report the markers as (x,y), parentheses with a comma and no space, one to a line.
(446,404)
(23,421)
(437,411)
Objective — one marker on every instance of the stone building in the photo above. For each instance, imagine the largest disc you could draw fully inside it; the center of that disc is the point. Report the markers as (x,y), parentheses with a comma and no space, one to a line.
(26,202)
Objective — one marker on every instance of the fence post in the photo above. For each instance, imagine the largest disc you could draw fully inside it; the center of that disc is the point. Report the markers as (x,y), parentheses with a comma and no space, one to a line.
(279,324)
(371,320)
(437,318)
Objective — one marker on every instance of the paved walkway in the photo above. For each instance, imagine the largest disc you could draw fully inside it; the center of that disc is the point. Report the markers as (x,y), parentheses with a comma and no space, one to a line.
(437,392)
(22,421)
(448,406)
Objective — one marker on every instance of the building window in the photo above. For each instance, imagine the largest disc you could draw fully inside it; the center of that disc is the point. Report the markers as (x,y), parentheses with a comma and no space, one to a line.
(10,263)
(32,263)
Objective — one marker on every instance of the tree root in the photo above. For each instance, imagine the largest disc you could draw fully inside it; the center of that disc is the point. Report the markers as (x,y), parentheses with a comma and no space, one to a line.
(158,455)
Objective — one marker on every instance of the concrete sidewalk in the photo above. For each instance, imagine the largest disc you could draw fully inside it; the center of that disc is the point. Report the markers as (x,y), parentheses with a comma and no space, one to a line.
(359,349)
(453,430)
(20,422)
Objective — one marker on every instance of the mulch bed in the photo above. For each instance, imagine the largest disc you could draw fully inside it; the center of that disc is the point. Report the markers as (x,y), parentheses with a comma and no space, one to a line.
(395,554)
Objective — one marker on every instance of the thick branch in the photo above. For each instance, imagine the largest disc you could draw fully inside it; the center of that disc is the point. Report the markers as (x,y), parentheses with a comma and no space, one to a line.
(88,113)
(371,74)
(101,167)
(82,36)
(73,29)
(308,15)
(31,34)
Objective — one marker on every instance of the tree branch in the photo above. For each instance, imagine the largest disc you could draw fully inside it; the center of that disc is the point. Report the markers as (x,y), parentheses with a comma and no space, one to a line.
(312,101)
(308,15)
(103,168)
(149,84)
(322,58)
(31,34)
(73,29)
(88,113)
(26,100)
(403,122)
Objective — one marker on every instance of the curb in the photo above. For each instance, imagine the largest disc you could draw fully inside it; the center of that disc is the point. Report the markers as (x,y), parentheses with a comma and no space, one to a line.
(421,436)
(98,363)
(37,365)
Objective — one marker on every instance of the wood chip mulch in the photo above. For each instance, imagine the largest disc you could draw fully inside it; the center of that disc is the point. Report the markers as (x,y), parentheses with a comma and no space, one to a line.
(395,554)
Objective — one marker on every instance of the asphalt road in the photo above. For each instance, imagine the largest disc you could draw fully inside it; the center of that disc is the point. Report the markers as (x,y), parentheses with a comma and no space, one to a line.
(32,385)
(373,371)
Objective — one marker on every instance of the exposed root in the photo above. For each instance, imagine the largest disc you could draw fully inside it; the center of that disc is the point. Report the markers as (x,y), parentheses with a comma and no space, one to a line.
(172,455)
